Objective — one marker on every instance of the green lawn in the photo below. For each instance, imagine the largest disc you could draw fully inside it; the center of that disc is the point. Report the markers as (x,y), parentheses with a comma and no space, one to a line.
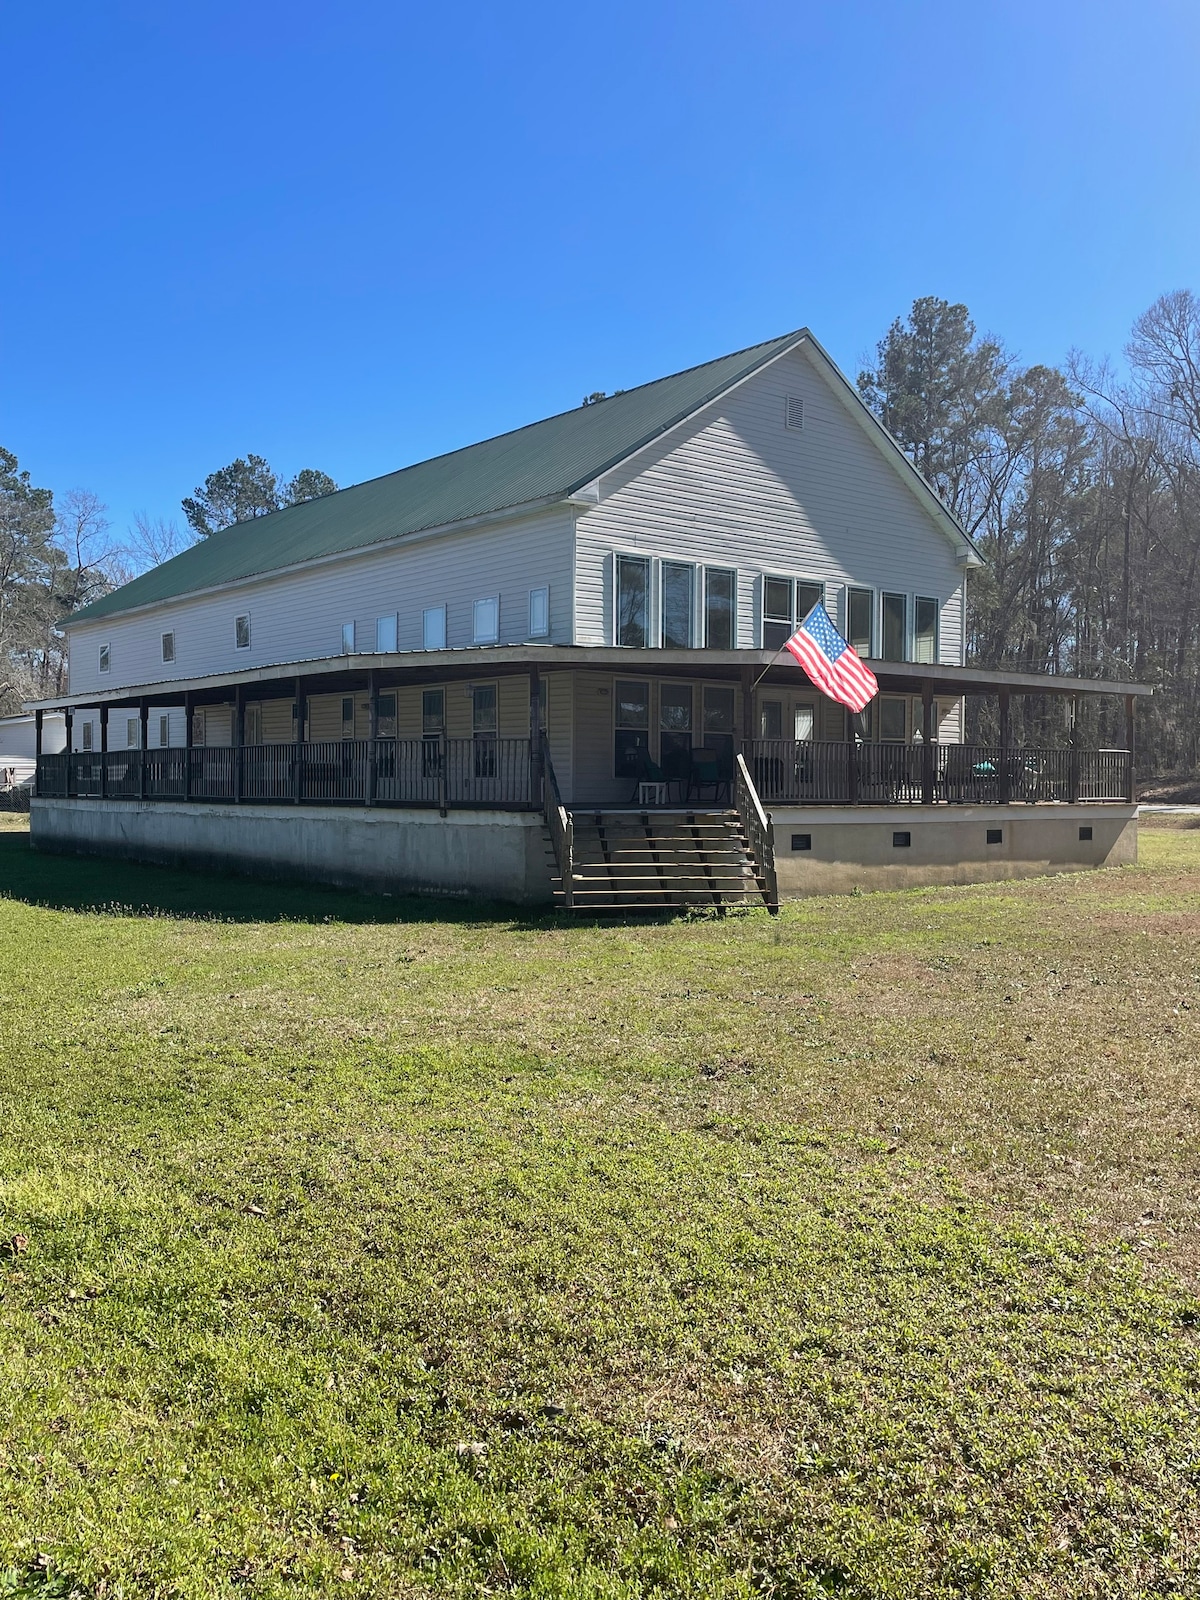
(384,1248)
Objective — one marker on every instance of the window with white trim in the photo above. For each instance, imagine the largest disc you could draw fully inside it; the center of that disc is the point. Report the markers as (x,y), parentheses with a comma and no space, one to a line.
(486,620)
(87,735)
(893,719)
(433,628)
(348,631)
(105,657)
(925,628)
(539,613)
(385,717)
(132,732)
(633,602)
(786,603)
(860,620)
(720,608)
(168,647)
(894,615)
(241,632)
(386,634)
(677,597)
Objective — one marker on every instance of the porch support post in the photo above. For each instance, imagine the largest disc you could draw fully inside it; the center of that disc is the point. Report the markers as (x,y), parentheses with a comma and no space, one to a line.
(1131,746)
(298,753)
(1004,787)
(535,738)
(748,715)
(1073,778)
(238,734)
(188,707)
(69,747)
(143,741)
(927,751)
(103,752)
(37,734)
(372,736)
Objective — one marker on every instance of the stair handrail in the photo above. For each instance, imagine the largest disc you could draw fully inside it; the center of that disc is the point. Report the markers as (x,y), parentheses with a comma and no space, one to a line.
(559,824)
(760,830)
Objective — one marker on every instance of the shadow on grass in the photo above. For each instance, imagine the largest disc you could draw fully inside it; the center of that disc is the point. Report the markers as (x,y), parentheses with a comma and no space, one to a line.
(128,888)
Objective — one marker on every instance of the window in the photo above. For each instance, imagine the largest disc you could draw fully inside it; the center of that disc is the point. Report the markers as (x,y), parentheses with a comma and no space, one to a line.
(1085,833)
(631,733)
(539,613)
(483,728)
(633,601)
(895,627)
(199,728)
(87,736)
(433,725)
(168,647)
(925,629)
(164,732)
(105,658)
(770,719)
(347,716)
(802,841)
(892,719)
(720,601)
(678,605)
(675,729)
(433,628)
(860,634)
(901,841)
(241,632)
(131,733)
(386,634)
(919,728)
(786,603)
(385,717)
(487,620)
(777,612)
(995,836)
(718,726)
(252,723)
(347,638)
(794,413)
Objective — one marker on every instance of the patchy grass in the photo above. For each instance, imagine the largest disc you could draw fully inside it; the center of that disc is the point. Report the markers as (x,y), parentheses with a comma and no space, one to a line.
(384,1248)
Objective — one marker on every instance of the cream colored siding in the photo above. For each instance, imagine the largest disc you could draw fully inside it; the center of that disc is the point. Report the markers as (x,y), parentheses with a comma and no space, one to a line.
(299,616)
(735,488)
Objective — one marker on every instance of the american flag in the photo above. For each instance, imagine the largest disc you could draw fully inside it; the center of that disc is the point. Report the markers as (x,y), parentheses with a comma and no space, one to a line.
(833,666)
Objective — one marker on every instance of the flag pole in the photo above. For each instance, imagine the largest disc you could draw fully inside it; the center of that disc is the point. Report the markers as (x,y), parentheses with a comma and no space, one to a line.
(784,646)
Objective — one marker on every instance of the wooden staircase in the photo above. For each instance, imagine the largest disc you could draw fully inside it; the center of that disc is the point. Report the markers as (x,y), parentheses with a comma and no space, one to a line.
(660,861)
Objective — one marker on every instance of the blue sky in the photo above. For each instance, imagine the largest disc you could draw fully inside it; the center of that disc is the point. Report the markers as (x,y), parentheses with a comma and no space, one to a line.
(353,235)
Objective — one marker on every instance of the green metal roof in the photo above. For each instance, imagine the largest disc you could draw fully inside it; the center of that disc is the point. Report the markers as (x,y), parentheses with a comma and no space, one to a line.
(545,460)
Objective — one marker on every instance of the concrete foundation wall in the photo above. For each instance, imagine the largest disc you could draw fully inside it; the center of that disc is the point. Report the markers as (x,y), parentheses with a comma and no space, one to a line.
(499,855)
(856,847)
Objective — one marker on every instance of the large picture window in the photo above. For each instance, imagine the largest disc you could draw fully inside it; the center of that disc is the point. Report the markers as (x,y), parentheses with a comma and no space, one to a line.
(678,605)
(720,606)
(675,730)
(925,629)
(633,601)
(895,627)
(860,633)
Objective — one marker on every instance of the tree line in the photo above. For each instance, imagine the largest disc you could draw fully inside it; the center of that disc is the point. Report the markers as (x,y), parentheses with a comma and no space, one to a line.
(1081,487)
(1079,483)
(57,555)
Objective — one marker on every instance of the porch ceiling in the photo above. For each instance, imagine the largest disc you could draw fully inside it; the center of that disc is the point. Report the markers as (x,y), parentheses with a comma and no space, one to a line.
(438,666)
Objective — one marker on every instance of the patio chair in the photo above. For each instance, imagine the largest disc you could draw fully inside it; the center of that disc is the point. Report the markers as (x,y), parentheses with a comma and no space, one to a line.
(706,773)
(645,771)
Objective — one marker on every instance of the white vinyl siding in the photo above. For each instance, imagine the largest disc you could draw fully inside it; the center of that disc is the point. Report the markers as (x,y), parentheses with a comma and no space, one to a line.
(735,487)
(297,616)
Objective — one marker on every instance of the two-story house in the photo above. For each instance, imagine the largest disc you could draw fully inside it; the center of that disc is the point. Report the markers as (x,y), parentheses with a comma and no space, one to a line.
(550,661)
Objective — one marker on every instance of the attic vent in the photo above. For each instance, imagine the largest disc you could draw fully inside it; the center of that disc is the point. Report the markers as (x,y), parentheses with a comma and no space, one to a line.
(795,411)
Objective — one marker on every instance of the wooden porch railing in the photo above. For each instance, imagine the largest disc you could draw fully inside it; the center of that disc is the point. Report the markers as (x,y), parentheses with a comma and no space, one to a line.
(559,825)
(759,830)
